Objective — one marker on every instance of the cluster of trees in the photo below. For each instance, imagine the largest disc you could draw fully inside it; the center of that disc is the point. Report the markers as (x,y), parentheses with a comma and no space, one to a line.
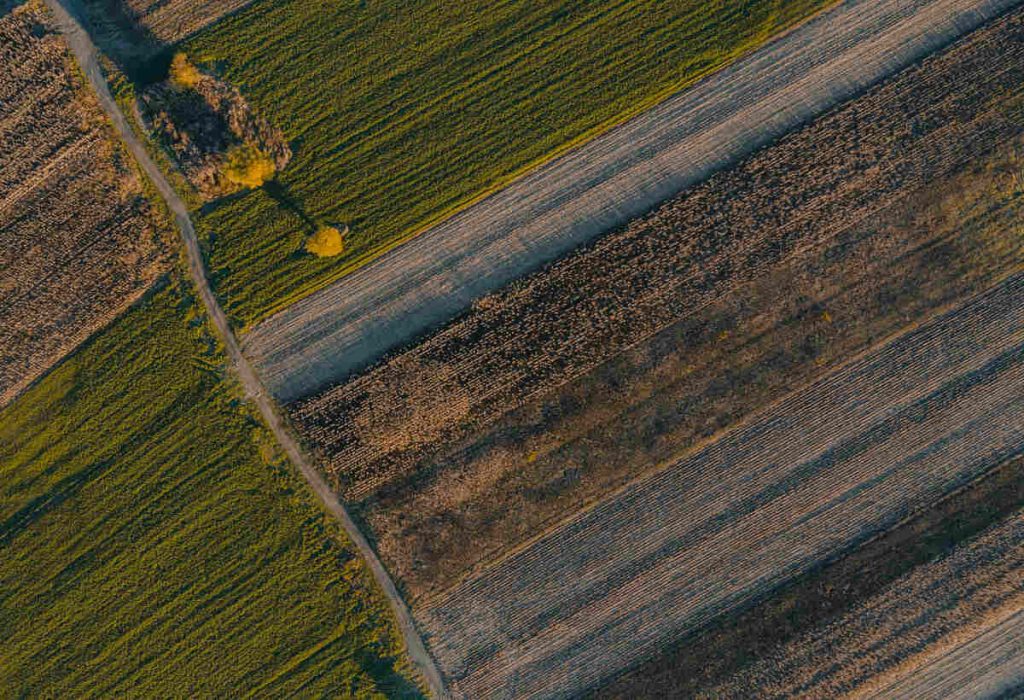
(248,166)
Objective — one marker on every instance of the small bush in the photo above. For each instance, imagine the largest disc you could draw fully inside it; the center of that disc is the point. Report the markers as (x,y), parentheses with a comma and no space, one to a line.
(326,242)
(246,165)
(183,74)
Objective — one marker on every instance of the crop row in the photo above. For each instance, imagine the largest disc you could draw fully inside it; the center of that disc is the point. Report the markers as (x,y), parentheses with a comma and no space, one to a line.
(930,611)
(814,476)
(80,241)
(561,387)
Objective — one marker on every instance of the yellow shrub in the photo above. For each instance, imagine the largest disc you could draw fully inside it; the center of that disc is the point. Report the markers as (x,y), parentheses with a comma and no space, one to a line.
(326,242)
(246,165)
(183,73)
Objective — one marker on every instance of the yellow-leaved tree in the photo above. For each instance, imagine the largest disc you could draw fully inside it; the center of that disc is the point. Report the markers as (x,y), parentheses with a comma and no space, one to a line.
(248,166)
(183,74)
(326,242)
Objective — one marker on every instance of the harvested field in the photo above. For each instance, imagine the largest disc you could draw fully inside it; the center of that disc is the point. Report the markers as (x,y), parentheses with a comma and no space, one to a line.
(813,475)
(714,655)
(953,628)
(578,379)
(991,665)
(583,194)
(80,241)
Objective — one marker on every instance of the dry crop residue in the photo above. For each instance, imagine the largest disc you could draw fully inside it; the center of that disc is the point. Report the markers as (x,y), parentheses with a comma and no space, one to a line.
(622,174)
(950,628)
(576,380)
(813,476)
(78,240)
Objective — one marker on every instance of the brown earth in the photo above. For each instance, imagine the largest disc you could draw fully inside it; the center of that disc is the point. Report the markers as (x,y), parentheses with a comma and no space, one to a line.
(804,480)
(727,651)
(559,389)
(893,637)
(79,241)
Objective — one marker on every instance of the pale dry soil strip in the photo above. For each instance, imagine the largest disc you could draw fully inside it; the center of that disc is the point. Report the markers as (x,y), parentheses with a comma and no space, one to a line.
(605,183)
(807,479)
(86,54)
(988,666)
(951,628)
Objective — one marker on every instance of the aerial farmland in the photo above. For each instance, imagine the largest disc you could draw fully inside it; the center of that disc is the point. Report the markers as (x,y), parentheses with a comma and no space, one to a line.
(63,178)
(520,350)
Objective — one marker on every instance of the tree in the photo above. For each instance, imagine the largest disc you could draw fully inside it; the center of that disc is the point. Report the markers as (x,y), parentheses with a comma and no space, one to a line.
(248,166)
(183,74)
(326,242)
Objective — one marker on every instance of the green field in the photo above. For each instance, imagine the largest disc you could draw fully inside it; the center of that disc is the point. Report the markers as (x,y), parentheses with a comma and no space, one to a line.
(153,543)
(401,111)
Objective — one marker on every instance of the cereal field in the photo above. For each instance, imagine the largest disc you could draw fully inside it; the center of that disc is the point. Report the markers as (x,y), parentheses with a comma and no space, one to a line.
(80,240)
(550,394)
(156,542)
(605,183)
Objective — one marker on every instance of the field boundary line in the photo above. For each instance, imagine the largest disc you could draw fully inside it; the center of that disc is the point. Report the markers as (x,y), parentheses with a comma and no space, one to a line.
(66,16)
(746,421)
(373,255)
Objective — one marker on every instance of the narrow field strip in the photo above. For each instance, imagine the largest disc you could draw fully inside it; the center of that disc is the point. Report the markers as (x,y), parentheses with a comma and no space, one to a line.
(950,628)
(814,475)
(988,666)
(80,241)
(607,182)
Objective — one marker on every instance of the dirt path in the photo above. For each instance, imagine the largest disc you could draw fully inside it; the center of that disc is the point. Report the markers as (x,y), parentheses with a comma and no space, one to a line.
(808,478)
(606,182)
(86,54)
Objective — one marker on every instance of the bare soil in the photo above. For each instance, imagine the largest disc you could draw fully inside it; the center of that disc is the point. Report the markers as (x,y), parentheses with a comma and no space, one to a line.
(930,623)
(551,394)
(808,478)
(730,650)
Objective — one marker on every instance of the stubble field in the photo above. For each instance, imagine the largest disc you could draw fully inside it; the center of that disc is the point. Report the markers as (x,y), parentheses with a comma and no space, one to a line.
(80,240)
(951,628)
(810,477)
(551,394)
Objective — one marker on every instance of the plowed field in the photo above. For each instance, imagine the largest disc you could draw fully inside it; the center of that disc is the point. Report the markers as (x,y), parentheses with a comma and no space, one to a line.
(78,239)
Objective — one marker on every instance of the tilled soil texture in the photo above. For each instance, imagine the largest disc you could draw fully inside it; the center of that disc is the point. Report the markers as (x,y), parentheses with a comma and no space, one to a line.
(951,628)
(812,477)
(79,242)
(568,384)
(718,653)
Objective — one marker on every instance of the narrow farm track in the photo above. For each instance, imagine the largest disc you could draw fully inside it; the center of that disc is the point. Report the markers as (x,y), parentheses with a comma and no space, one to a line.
(807,479)
(86,54)
(605,183)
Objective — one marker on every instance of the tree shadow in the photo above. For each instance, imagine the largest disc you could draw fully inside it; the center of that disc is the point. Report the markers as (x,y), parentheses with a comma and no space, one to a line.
(387,679)
(121,37)
(279,194)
